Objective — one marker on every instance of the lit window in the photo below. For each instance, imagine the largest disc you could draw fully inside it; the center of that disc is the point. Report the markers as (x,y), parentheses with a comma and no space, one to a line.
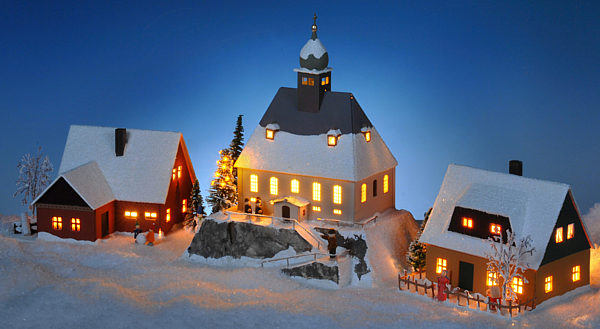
(363,193)
(179,172)
(368,136)
(57,223)
(441,265)
(492,277)
(337,194)
(548,284)
(253,199)
(173,174)
(311,81)
(131,214)
(517,285)
(270,134)
(570,231)
(559,235)
(386,183)
(304,80)
(337,211)
(576,273)
(316,208)
(150,216)
(324,81)
(273,184)
(316,191)
(331,140)
(168,219)
(75,224)
(467,222)
(295,186)
(253,183)
(496,229)
(183,205)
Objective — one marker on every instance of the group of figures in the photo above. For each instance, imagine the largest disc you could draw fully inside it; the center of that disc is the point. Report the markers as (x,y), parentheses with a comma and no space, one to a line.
(141,238)
(257,207)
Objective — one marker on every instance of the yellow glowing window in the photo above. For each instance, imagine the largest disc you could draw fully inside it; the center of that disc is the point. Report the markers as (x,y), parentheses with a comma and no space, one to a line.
(386,183)
(517,285)
(337,194)
(304,81)
(253,199)
(131,214)
(337,211)
(559,235)
(467,222)
(316,191)
(570,231)
(173,174)
(75,224)
(168,219)
(270,134)
(368,136)
(331,140)
(548,284)
(441,265)
(57,223)
(576,273)
(253,183)
(496,229)
(316,208)
(150,215)
(311,81)
(183,205)
(179,172)
(363,193)
(492,277)
(324,81)
(295,186)
(273,185)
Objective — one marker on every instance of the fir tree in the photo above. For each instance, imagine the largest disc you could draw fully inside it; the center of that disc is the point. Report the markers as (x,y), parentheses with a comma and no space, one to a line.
(417,251)
(195,202)
(223,191)
(237,144)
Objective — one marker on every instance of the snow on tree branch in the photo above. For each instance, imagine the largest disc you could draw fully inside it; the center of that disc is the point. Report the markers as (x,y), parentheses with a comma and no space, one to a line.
(34,176)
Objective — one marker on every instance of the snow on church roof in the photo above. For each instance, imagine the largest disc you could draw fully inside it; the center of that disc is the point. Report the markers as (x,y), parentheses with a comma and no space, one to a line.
(352,159)
(142,174)
(531,205)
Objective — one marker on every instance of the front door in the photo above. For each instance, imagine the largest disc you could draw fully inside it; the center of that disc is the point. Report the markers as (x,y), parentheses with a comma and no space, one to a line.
(465,275)
(104,223)
(285,211)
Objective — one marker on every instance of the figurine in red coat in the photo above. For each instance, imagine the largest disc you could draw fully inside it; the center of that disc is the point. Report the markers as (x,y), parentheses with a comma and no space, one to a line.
(442,282)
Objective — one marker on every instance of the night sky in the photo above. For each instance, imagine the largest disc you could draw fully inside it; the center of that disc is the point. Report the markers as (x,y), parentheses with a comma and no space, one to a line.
(475,83)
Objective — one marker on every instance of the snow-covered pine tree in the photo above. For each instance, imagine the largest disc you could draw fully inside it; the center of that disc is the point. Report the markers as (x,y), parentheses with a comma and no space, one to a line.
(223,191)
(237,144)
(417,251)
(195,202)
(508,261)
(34,177)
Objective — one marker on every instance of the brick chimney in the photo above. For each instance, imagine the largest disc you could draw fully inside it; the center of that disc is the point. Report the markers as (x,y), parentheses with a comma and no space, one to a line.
(120,141)
(515,167)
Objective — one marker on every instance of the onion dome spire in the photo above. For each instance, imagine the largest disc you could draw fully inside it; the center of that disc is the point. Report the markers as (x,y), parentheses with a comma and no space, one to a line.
(313,55)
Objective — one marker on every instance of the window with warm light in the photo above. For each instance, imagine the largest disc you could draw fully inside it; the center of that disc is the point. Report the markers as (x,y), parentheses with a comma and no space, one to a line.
(131,214)
(559,235)
(331,140)
(337,194)
(548,284)
(295,186)
(311,81)
(363,193)
(337,211)
(179,172)
(367,136)
(75,224)
(440,265)
(150,215)
(273,185)
(576,273)
(316,191)
(57,223)
(496,229)
(570,231)
(305,81)
(316,208)
(467,222)
(270,134)
(183,205)
(386,182)
(253,183)
(517,285)
(168,218)
(324,81)
(492,277)
(174,173)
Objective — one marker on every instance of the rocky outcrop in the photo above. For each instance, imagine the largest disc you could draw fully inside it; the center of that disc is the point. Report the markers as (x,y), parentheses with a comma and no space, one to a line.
(357,247)
(315,270)
(217,239)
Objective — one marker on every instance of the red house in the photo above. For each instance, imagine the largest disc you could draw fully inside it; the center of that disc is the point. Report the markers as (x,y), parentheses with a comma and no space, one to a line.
(110,178)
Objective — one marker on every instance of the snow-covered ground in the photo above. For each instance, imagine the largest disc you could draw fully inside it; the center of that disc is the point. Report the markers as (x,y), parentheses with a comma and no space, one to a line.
(118,284)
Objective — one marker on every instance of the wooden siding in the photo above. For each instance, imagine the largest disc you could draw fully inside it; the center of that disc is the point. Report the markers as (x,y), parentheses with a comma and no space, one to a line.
(87,223)
(561,271)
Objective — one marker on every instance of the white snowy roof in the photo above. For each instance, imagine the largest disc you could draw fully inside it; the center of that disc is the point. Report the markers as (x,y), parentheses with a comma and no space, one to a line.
(292,199)
(313,47)
(531,205)
(142,174)
(352,159)
(89,182)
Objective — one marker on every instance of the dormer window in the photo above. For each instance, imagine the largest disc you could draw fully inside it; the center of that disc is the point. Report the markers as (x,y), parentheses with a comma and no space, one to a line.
(467,222)
(332,136)
(495,229)
(367,133)
(272,128)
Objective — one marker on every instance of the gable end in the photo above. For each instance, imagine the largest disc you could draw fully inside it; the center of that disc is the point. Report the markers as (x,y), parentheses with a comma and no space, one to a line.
(61,193)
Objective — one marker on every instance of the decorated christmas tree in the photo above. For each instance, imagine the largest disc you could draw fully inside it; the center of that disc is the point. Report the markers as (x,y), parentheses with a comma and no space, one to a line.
(417,250)
(223,191)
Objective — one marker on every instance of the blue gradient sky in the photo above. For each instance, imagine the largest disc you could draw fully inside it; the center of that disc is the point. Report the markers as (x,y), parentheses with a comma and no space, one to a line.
(476,83)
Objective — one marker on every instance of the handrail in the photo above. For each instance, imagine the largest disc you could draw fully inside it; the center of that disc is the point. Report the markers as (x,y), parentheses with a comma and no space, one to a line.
(314,254)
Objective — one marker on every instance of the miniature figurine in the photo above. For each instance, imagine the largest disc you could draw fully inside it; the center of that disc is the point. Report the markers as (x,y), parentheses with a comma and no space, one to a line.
(150,236)
(494,296)
(136,231)
(258,207)
(442,282)
(247,206)
(331,242)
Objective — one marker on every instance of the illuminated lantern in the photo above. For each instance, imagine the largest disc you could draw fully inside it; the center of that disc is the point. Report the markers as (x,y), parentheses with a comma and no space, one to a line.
(272,128)
(367,133)
(333,136)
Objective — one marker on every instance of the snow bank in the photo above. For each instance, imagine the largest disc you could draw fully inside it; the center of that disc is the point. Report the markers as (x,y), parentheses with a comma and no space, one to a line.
(592,219)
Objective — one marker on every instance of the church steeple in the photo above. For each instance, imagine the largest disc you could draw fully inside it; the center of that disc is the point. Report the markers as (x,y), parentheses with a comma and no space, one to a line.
(314,77)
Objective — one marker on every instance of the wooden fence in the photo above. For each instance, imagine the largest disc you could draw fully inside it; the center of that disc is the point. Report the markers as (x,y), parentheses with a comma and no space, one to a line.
(511,308)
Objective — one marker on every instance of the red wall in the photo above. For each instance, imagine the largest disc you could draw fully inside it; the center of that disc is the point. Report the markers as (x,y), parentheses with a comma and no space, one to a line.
(87,227)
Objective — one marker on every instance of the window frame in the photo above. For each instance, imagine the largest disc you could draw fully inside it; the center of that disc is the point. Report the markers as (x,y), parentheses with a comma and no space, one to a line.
(337,194)
(254,183)
(363,193)
(441,265)
(295,186)
(316,193)
(548,284)
(559,235)
(57,223)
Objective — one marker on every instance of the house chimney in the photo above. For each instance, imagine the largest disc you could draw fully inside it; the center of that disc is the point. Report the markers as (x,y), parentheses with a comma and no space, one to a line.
(120,141)
(515,167)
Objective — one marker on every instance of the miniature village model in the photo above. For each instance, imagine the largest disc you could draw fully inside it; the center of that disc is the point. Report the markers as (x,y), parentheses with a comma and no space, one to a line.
(109,179)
